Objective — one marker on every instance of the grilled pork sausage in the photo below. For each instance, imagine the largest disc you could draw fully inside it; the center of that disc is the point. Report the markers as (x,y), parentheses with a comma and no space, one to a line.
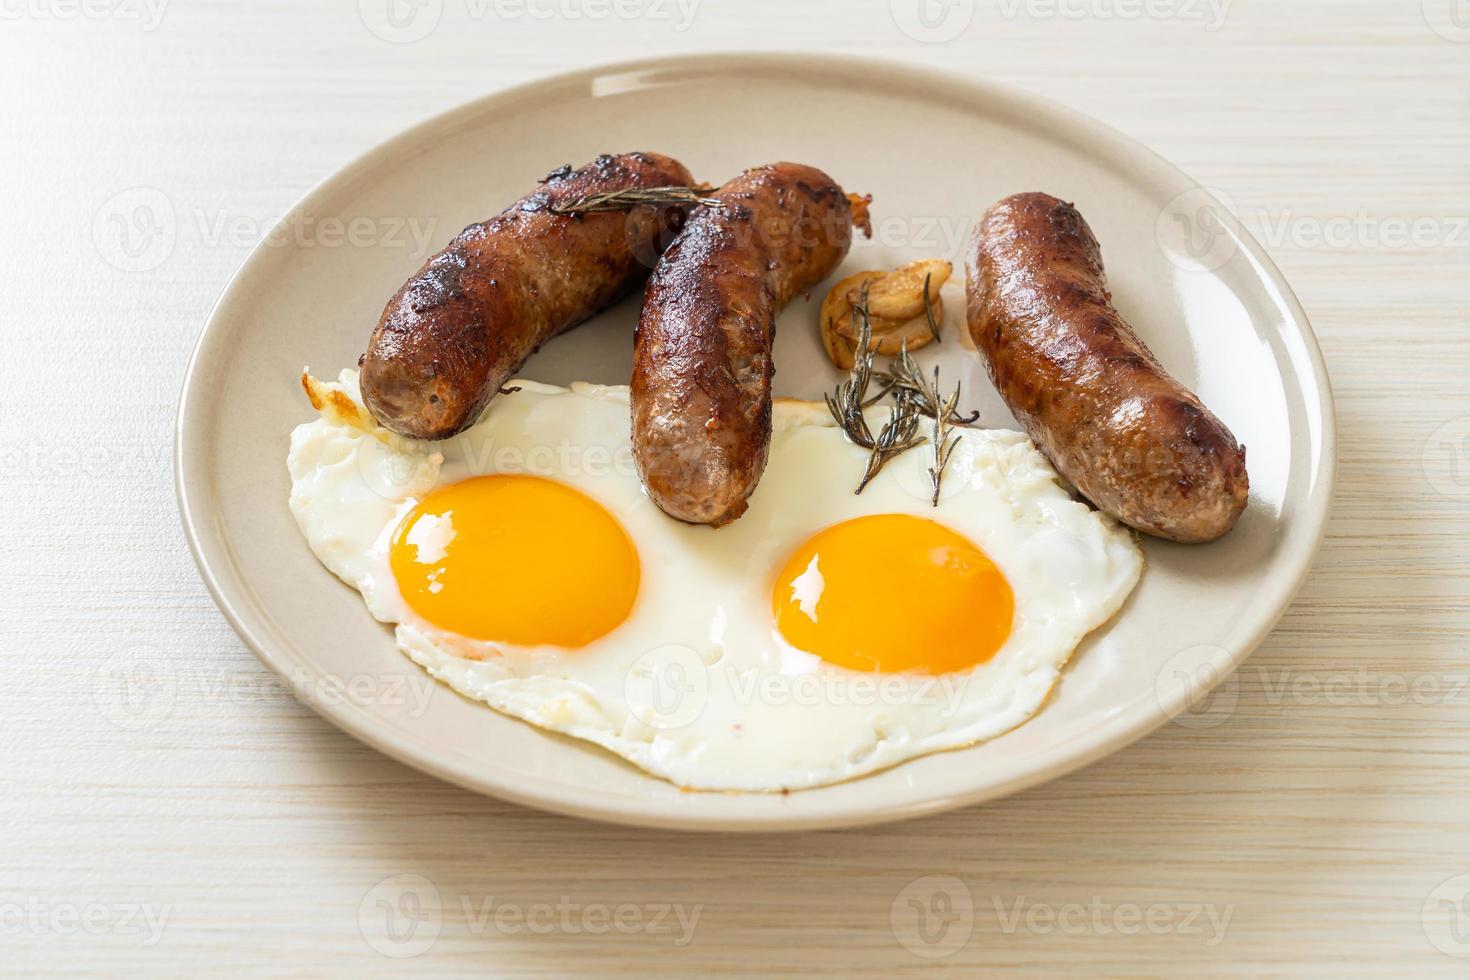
(468,319)
(701,387)
(1134,441)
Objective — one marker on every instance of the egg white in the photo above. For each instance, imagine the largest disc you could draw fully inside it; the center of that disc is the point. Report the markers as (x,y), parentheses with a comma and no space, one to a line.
(696,685)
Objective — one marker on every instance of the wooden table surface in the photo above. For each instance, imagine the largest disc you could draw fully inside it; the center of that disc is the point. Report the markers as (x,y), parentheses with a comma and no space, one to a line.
(160,825)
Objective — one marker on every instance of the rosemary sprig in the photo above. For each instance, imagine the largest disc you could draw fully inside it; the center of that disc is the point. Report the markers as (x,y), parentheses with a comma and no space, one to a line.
(847,402)
(914,398)
(898,435)
(943,444)
(904,374)
(633,197)
(916,389)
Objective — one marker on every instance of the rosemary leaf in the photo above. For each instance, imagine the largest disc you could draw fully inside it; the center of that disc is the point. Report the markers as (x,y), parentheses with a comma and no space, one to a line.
(929,308)
(633,197)
(943,444)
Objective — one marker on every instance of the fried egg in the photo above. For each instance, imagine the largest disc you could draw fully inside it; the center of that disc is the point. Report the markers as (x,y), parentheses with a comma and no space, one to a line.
(824,635)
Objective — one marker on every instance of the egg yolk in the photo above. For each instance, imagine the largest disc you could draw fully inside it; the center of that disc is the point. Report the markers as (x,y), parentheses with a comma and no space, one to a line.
(893,592)
(515,559)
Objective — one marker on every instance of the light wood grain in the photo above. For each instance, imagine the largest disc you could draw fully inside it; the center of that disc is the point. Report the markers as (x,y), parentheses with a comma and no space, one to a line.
(1319,814)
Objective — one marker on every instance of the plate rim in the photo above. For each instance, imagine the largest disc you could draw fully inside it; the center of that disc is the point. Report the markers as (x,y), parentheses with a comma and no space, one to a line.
(210,549)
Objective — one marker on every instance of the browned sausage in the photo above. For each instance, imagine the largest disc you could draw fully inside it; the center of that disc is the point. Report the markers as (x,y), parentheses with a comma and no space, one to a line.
(468,319)
(701,389)
(1134,441)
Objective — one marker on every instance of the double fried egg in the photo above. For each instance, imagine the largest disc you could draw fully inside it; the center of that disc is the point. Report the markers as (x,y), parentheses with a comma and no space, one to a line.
(822,636)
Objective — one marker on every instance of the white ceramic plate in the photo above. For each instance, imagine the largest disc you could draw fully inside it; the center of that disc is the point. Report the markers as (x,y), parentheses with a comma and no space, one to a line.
(1201,293)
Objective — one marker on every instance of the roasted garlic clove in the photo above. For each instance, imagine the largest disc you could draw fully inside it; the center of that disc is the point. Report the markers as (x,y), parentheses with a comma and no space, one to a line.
(903,289)
(890,336)
(839,340)
(900,294)
(840,350)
